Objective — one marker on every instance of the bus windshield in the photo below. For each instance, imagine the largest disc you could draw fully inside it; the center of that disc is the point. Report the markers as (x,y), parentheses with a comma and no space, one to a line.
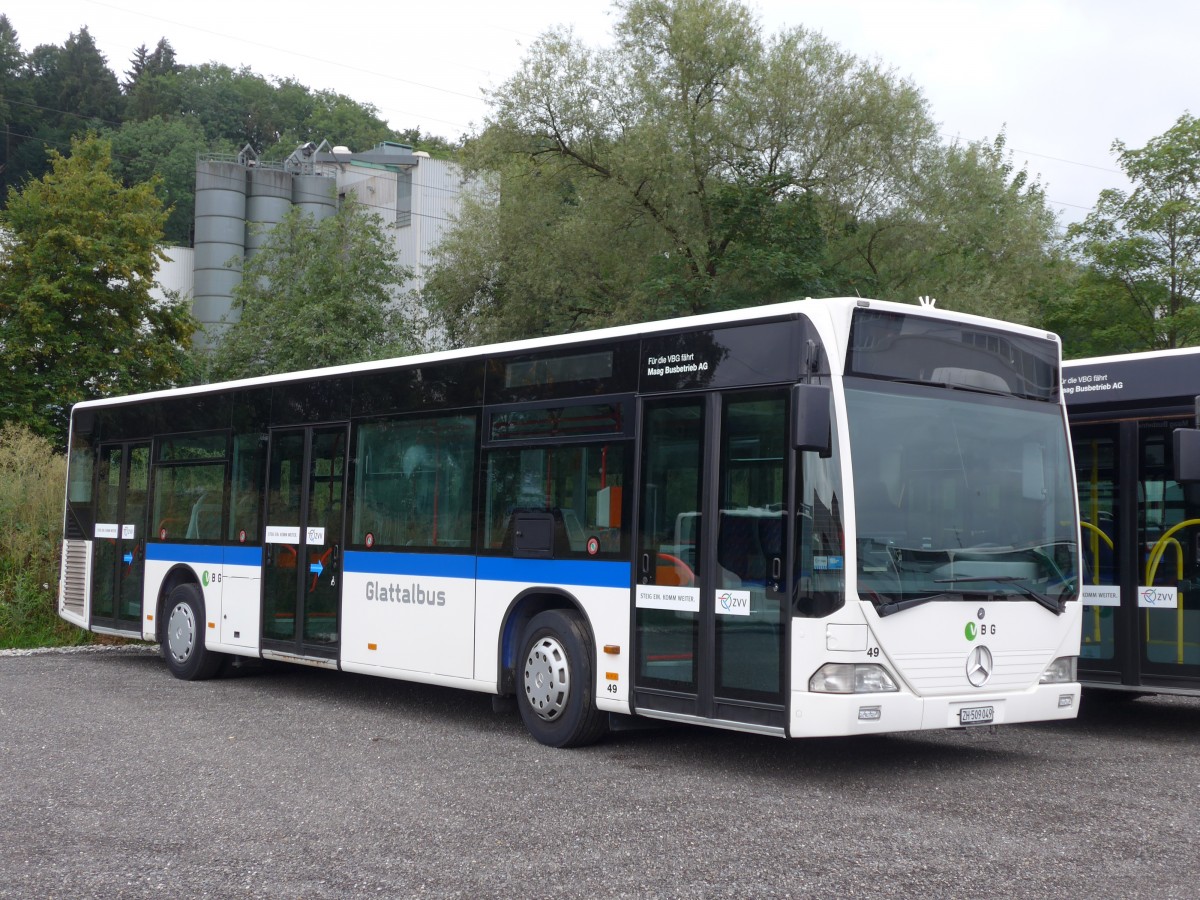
(960,495)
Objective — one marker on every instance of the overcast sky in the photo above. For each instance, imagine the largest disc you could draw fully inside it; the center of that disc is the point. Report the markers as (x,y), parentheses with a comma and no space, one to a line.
(1064,78)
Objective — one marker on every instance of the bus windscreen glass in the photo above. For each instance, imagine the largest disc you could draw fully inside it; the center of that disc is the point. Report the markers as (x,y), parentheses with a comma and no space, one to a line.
(960,496)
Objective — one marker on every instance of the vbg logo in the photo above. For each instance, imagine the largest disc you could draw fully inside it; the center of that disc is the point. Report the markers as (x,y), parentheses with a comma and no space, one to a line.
(971,631)
(204,578)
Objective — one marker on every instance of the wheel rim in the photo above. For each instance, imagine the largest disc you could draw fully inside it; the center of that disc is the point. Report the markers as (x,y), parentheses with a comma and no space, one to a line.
(181,632)
(547,678)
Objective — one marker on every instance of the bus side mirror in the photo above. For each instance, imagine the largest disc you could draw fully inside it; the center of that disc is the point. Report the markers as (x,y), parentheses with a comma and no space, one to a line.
(1187,455)
(810,418)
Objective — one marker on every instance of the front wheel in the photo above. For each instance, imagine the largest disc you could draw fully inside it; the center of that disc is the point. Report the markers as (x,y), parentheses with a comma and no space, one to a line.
(182,638)
(556,681)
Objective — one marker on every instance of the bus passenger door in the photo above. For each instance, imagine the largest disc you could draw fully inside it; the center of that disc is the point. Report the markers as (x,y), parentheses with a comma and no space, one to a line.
(713,558)
(1106,551)
(1168,596)
(118,572)
(303,540)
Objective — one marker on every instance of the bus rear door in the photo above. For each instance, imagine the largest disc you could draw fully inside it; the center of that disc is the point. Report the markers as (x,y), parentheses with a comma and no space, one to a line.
(304,522)
(118,572)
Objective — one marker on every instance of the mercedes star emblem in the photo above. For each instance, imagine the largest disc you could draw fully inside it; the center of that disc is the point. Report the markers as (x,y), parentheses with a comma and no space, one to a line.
(979,666)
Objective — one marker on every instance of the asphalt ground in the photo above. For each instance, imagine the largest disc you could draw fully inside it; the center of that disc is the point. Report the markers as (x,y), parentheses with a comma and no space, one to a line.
(116,780)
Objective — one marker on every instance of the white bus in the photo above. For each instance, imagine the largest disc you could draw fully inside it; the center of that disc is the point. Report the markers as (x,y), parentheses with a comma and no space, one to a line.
(823,517)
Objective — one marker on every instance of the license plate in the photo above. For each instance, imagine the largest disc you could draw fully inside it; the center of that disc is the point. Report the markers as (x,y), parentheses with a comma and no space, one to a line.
(976,715)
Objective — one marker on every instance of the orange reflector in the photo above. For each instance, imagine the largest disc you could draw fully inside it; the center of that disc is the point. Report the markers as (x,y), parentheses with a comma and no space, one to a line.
(372,647)
(612,676)
(212,624)
(149,618)
(614,649)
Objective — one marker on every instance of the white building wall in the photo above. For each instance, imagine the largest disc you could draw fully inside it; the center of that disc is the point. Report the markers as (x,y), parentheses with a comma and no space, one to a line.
(176,274)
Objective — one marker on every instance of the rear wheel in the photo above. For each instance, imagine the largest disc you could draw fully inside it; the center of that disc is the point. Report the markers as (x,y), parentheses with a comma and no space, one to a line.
(182,638)
(556,691)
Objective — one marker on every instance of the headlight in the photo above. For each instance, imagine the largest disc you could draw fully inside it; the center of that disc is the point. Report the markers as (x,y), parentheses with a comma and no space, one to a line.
(1061,671)
(851,678)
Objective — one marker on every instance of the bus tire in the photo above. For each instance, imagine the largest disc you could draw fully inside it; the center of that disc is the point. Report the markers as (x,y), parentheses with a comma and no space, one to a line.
(556,681)
(182,638)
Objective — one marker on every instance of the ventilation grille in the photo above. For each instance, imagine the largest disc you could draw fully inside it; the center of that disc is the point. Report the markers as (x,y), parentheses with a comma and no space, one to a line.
(73,600)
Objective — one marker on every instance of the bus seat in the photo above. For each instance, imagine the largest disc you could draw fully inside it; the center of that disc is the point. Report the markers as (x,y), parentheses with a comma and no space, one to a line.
(205,523)
(539,533)
(738,550)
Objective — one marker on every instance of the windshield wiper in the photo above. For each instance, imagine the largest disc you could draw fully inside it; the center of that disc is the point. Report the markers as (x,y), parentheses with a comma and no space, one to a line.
(1055,606)
(895,606)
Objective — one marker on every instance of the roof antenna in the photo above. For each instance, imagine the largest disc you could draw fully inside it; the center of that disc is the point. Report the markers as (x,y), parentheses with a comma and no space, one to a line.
(927,301)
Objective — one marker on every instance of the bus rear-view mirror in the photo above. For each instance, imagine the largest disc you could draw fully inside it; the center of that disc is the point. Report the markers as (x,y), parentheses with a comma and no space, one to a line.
(810,418)
(1187,455)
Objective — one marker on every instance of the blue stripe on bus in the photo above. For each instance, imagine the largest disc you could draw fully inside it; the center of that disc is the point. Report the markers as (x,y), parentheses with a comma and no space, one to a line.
(204,554)
(431,565)
(592,573)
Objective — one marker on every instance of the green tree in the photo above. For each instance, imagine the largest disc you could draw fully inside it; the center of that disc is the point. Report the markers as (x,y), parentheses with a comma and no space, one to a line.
(340,120)
(1144,246)
(697,165)
(163,152)
(970,229)
(77,320)
(16,110)
(317,293)
(149,86)
(1096,316)
(75,84)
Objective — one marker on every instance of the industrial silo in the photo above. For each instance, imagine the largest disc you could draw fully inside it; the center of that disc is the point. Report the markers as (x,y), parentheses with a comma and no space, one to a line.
(268,200)
(220,239)
(315,194)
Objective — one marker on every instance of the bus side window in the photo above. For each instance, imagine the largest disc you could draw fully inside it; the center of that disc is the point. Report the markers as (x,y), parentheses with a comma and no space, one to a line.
(414,482)
(579,488)
(249,471)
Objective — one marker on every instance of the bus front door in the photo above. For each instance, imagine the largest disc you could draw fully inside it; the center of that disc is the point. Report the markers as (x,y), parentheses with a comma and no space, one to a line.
(118,572)
(303,537)
(712,559)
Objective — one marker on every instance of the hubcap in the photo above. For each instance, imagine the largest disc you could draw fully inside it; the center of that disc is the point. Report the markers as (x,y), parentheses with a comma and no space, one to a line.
(181,632)
(547,678)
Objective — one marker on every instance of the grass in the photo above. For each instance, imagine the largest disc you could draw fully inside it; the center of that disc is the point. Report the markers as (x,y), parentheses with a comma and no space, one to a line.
(32,485)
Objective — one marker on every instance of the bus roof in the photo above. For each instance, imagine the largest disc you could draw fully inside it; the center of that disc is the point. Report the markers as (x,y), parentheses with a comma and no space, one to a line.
(1152,378)
(833,307)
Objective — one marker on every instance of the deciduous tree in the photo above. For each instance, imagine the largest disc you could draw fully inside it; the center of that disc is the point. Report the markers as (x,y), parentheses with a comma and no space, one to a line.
(1144,245)
(316,294)
(696,165)
(77,320)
